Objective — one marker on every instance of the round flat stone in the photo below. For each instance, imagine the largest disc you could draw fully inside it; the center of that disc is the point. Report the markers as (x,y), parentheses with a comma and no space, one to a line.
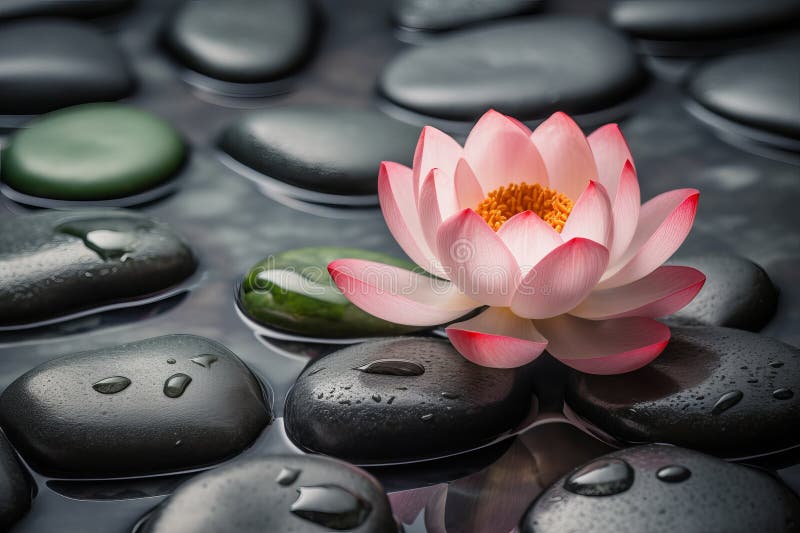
(757,89)
(49,64)
(737,294)
(681,20)
(323,149)
(58,263)
(716,496)
(92,152)
(213,415)
(527,69)
(718,390)
(402,398)
(436,15)
(297,493)
(15,490)
(61,8)
(242,40)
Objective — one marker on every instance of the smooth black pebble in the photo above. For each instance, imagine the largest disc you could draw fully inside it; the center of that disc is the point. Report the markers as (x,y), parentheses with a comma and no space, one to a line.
(712,389)
(713,496)
(15,489)
(215,415)
(255,495)
(50,64)
(528,69)
(345,407)
(242,41)
(320,148)
(437,15)
(61,8)
(57,263)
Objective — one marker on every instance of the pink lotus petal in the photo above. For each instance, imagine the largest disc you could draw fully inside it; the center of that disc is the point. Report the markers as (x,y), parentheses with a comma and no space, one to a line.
(501,153)
(561,280)
(662,292)
(399,295)
(468,189)
(529,238)
(604,346)
(591,216)
(435,149)
(497,338)
(626,207)
(610,151)
(664,223)
(476,259)
(437,201)
(566,153)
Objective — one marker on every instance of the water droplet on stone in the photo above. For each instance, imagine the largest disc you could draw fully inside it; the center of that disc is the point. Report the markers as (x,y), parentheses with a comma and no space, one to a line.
(112,385)
(393,367)
(176,384)
(782,393)
(170,361)
(316,371)
(287,476)
(726,401)
(331,506)
(426,417)
(376,398)
(775,364)
(390,400)
(108,238)
(673,473)
(601,478)
(204,360)
(449,395)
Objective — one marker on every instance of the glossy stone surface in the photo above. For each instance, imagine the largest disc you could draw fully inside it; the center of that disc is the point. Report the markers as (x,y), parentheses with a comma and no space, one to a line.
(215,417)
(15,490)
(69,8)
(339,410)
(40,59)
(242,40)
(737,294)
(528,69)
(718,496)
(92,152)
(712,389)
(57,263)
(758,88)
(292,291)
(436,15)
(321,148)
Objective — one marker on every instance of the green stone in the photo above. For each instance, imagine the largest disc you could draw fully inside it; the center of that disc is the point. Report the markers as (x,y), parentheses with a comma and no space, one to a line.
(90,152)
(293,292)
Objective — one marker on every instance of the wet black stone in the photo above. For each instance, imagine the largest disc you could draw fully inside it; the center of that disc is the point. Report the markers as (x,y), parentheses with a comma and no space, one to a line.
(339,410)
(436,15)
(680,20)
(50,64)
(242,40)
(62,425)
(50,271)
(737,294)
(63,8)
(758,88)
(718,496)
(324,149)
(711,390)
(254,496)
(15,490)
(527,69)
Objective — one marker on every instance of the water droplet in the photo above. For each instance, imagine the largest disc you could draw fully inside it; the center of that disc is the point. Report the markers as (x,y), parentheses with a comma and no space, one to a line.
(393,367)
(426,417)
(390,400)
(376,398)
(176,384)
(110,238)
(287,476)
(450,396)
(726,401)
(178,442)
(605,477)
(775,364)
(331,506)
(112,385)
(170,361)
(673,473)
(205,360)
(316,371)
(556,499)
(782,393)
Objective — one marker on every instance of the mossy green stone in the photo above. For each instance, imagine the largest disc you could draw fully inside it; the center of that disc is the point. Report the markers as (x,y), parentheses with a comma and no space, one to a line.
(293,291)
(91,152)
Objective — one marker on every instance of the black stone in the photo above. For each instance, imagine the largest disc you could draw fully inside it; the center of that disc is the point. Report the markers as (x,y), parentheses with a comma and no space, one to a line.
(436,15)
(62,425)
(758,88)
(15,489)
(737,294)
(242,41)
(337,409)
(324,149)
(711,390)
(58,263)
(255,495)
(718,496)
(50,64)
(61,8)
(680,20)
(527,69)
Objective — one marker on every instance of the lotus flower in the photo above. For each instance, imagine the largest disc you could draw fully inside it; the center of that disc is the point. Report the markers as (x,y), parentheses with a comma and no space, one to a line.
(543,232)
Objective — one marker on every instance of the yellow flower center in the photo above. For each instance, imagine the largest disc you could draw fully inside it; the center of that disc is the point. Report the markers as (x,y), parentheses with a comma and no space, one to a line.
(505,202)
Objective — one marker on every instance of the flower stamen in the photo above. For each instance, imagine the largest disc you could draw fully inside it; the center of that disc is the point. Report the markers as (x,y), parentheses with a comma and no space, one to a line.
(504,202)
